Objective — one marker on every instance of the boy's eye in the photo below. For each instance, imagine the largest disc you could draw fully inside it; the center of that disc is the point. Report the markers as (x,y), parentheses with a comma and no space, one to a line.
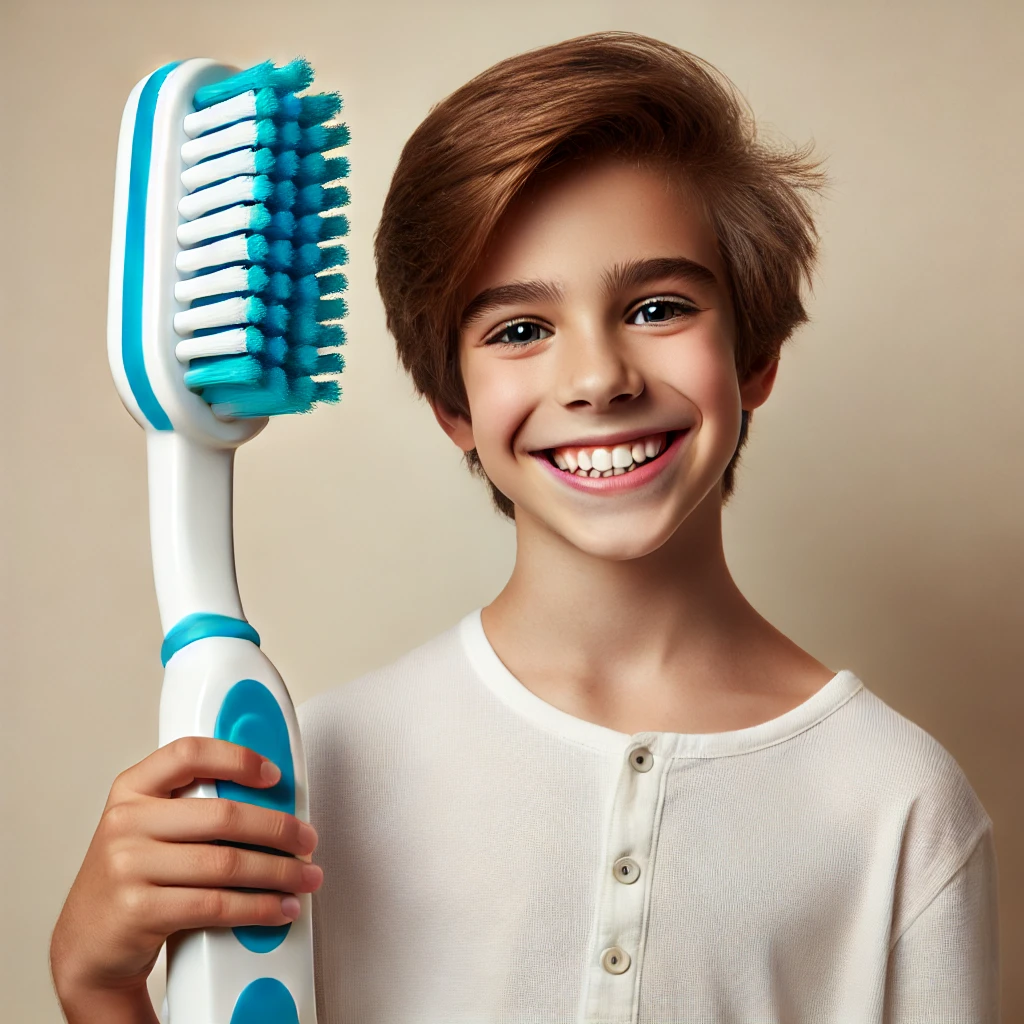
(520,332)
(659,311)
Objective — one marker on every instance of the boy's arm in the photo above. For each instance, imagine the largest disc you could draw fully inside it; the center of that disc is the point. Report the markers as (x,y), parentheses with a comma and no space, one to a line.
(945,966)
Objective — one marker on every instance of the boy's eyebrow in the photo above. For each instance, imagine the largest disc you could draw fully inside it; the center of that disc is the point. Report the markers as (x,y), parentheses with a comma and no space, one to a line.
(510,294)
(622,275)
(626,275)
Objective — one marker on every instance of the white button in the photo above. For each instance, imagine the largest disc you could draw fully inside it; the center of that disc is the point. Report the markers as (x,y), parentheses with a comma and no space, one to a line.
(626,870)
(641,759)
(615,960)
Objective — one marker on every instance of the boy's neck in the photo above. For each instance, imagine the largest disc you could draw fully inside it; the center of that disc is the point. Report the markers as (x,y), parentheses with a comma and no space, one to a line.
(666,642)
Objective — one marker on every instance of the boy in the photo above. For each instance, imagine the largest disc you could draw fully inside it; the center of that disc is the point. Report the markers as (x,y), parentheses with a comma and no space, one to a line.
(616,793)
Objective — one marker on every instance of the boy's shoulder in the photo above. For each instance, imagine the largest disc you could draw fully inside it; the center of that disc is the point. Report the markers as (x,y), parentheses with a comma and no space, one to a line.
(411,683)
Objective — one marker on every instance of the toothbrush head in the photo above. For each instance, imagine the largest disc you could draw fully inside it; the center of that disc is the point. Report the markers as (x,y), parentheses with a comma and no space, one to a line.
(225,288)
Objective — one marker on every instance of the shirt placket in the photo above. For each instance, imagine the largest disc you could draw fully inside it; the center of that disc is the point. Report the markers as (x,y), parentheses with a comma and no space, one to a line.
(611,979)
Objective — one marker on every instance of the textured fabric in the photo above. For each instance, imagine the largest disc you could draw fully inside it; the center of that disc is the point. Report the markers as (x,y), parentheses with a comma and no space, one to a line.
(830,866)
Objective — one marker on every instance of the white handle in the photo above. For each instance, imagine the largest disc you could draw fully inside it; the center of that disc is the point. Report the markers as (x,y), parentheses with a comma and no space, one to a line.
(190,527)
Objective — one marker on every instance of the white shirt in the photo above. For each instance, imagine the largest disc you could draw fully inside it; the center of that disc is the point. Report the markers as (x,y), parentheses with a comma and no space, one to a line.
(490,858)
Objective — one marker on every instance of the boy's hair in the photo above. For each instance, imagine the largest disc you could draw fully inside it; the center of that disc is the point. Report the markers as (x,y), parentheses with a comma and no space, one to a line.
(607,93)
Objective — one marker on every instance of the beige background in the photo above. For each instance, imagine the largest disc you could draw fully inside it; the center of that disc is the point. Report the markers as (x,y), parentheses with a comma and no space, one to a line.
(878,517)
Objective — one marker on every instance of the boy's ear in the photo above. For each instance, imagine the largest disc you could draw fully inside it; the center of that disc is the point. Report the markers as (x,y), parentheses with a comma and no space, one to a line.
(754,391)
(456,426)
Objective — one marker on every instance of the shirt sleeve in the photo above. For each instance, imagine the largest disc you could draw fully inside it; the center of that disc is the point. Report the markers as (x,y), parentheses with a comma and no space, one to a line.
(945,966)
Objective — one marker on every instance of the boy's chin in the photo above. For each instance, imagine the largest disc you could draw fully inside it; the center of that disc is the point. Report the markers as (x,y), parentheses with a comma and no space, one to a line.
(613,539)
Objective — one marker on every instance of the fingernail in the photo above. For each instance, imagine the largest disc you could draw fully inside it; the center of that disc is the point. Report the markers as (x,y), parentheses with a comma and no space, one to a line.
(290,907)
(308,835)
(312,875)
(269,771)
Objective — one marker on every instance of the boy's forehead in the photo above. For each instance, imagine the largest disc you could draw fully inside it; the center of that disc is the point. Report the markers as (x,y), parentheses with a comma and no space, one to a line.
(586,218)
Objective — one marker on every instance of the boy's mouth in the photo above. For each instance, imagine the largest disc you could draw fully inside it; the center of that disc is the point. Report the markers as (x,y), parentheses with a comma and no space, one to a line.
(610,460)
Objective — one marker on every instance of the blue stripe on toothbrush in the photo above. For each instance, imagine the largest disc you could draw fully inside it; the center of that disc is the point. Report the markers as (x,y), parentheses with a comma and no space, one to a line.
(135,251)
(200,625)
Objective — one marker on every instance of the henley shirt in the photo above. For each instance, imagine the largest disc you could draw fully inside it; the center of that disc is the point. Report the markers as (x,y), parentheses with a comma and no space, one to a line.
(491,859)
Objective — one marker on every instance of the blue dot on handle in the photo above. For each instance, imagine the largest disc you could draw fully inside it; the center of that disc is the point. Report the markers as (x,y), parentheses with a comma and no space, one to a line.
(251,717)
(265,1001)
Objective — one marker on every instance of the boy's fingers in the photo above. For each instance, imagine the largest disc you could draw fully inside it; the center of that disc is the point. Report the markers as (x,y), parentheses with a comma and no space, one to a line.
(201,819)
(180,763)
(169,909)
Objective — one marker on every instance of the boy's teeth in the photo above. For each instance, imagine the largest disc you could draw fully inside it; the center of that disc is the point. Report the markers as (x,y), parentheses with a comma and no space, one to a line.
(608,461)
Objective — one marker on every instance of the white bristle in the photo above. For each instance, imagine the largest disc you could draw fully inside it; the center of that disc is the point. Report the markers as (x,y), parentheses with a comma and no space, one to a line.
(213,314)
(238,108)
(237,136)
(227,343)
(235,218)
(242,161)
(216,254)
(220,282)
(227,193)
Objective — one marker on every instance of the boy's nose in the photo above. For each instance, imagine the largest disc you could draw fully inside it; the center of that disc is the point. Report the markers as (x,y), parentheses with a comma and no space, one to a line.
(593,369)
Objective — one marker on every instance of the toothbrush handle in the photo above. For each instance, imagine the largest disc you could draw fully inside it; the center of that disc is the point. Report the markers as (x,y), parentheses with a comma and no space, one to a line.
(226,688)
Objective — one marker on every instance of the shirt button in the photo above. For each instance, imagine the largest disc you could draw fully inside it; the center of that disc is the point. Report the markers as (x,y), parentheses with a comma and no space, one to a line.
(626,870)
(641,759)
(615,960)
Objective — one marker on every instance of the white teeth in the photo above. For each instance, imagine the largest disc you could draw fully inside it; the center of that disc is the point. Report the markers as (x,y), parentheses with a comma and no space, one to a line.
(614,461)
(621,457)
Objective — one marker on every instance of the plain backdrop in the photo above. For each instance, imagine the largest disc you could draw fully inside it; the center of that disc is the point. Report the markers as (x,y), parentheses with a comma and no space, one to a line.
(878,517)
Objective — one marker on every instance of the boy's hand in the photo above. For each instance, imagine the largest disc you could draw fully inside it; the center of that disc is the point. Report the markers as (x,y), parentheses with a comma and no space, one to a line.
(152,867)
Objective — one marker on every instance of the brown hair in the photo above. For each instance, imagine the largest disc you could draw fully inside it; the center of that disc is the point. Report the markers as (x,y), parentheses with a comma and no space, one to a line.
(606,93)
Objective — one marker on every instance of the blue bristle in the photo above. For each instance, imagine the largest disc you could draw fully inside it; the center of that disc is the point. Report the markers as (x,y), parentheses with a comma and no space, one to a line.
(203,373)
(267,104)
(331,283)
(288,134)
(282,225)
(256,280)
(322,138)
(310,199)
(266,133)
(329,362)
(331,335)
(307,259)
(289,107)
(314,168)
(331,309)
(280,254)
(303,329)
(318,108)
(307,289)
(280,287)
(327,391)
(274,351)
(287,165)
(302,359)
(276,318)
(337,255)
(273,376)
(282,197)
(292,77)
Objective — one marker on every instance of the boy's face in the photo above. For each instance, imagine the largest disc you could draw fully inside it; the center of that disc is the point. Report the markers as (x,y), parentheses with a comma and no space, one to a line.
(600,316)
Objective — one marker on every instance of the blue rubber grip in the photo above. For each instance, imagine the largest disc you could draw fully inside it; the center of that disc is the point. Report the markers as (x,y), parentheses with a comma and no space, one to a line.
(251,717)
(265,1001)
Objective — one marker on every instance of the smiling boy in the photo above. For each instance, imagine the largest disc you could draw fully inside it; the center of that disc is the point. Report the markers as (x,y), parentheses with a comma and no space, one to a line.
(616,794)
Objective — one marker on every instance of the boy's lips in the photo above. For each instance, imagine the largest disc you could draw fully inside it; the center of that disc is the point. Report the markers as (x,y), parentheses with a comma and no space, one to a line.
(622,481)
